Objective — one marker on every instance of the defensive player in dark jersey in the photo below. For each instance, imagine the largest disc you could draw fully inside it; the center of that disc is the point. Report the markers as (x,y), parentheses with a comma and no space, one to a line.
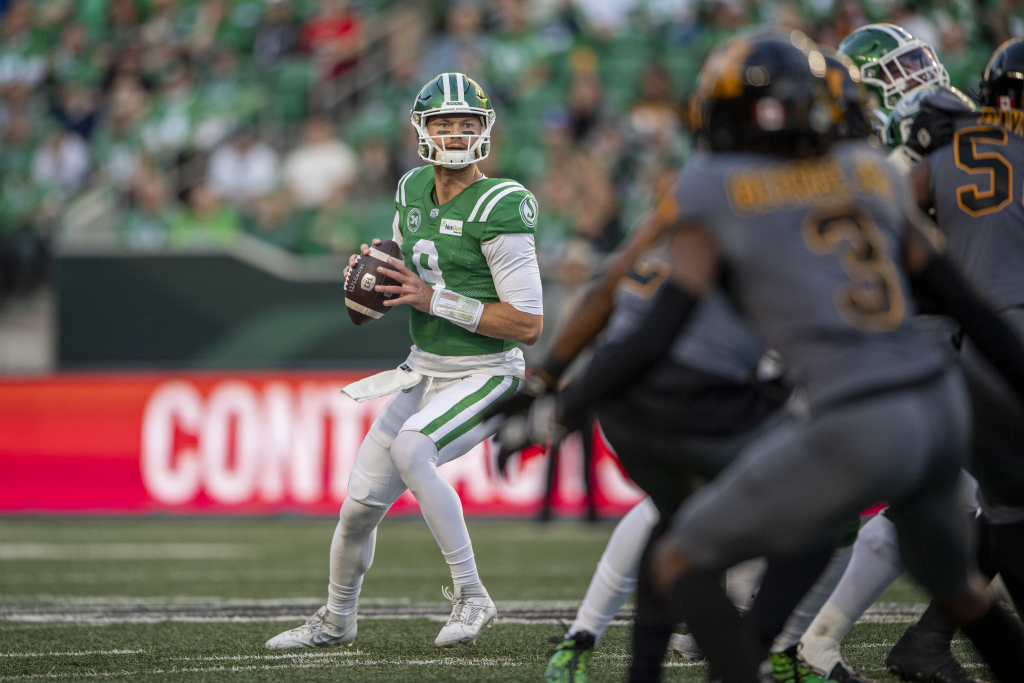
(967,178)
(809,244)
(696,410)
(689,418)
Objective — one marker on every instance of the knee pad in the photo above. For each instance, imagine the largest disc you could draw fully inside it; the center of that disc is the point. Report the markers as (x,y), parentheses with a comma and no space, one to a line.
(412,451)
(359,519)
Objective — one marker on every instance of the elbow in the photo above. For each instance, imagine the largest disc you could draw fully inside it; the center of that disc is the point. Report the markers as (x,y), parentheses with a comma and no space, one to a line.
(533,331)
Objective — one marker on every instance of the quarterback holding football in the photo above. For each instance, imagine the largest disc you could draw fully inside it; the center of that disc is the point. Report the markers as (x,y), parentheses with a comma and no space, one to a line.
(468,270)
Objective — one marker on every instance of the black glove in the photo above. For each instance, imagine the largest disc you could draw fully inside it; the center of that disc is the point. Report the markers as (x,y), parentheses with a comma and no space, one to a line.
(933,128)
(539,424)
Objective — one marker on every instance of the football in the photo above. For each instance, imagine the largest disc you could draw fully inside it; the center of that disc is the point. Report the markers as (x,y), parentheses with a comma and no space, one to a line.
(364,303)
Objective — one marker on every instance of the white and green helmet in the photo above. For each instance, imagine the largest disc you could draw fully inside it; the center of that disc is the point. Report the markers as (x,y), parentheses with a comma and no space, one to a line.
(452,94)
(892,62)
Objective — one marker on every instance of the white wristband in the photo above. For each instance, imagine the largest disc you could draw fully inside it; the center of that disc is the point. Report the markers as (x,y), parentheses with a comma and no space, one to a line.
(453,307)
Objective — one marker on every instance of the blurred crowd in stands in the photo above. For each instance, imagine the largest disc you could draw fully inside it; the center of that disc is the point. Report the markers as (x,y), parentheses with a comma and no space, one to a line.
(184,123)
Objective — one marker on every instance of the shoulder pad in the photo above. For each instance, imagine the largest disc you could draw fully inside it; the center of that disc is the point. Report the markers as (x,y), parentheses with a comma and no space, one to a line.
(496,199)
(410,185)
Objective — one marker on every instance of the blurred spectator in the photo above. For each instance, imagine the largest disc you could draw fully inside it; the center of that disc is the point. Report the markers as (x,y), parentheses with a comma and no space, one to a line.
(273,220)
(275,35)
(62,162)
(461,47)
(77,106)
(333,35)
(205,222)
(656,114)
(16,146)
(22,54)
(321,167)
(171,120)
(376,171)
(165,25)
(585,104)
(243,168)
(516,60)
(150,215)
(226,99)
(908,14)
(71,53)
(123,22)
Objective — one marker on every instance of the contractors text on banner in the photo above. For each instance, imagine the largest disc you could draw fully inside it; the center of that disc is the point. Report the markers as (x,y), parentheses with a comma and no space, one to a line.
(236,443)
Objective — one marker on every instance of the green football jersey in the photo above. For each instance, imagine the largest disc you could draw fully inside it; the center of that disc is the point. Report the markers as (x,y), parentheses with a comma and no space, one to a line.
(442,245)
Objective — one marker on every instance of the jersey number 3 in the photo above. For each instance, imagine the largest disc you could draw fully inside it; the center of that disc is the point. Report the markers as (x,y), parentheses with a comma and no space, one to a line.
(873,301)
(1000,173)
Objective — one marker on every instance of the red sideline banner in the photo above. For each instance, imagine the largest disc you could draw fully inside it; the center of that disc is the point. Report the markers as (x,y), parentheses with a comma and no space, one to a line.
(212,443)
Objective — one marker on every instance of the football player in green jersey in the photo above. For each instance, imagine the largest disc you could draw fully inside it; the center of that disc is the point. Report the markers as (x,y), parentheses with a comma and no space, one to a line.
(891,62)
(470,276)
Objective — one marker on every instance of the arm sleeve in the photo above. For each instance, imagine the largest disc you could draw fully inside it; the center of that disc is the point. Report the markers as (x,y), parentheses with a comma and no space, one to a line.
(943,284)
(512,258)
(396,233)
(617,366)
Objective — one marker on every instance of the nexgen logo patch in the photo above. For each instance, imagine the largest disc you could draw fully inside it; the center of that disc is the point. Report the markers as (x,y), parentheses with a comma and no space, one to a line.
(450,227)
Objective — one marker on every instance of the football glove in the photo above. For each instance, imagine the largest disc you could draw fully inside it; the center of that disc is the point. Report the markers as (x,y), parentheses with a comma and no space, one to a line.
(539,424)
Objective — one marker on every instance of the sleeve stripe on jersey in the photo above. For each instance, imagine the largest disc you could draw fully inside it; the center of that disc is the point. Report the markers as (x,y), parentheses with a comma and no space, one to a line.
(494,202)
(485,195)
(400,192)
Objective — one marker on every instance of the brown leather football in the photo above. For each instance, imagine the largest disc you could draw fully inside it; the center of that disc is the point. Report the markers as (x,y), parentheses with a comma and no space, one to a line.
(364,303)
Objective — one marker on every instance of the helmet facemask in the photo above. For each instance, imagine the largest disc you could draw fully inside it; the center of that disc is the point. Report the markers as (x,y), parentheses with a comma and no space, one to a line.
(904,69)
(477,149)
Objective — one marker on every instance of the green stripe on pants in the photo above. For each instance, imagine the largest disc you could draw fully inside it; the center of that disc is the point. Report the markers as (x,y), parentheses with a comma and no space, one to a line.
(476,419)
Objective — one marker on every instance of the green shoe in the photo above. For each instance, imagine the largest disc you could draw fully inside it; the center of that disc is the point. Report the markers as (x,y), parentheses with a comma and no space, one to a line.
(786,667)
(568,663)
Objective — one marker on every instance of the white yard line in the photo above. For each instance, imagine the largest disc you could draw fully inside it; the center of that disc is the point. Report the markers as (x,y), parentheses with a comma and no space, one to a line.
(124,551)
(125,610)
(71,654)
(445,661)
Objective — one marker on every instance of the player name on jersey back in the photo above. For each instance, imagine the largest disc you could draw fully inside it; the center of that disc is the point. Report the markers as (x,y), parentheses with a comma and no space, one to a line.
(802,183)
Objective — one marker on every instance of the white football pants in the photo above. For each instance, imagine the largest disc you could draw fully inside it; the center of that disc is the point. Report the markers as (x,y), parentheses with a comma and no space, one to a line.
(418,430)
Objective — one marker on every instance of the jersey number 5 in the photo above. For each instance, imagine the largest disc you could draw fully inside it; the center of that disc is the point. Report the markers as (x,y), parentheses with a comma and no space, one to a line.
(873,301)
(1000,173)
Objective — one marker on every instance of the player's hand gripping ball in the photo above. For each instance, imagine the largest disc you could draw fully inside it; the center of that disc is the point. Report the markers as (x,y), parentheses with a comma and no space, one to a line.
(362,299)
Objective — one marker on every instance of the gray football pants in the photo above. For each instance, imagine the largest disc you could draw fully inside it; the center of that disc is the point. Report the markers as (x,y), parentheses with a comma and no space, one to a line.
(997,452)
(800,484)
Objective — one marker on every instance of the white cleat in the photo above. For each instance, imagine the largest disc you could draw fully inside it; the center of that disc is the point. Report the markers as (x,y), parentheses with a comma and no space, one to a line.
(686,646)
(469,616)
(316,632)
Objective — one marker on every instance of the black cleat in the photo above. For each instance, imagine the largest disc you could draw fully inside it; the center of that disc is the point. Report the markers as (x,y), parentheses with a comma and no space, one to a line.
(842,672)
(925,656)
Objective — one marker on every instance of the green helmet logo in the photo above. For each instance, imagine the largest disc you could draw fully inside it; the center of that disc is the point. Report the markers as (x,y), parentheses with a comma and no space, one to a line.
(452,94)
(892,62)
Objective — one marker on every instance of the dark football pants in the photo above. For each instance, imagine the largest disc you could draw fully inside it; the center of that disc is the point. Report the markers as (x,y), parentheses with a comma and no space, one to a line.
(800,484)
(669,468)
(997,451)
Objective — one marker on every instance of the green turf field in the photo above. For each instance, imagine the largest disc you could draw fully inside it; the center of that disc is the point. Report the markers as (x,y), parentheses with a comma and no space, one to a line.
(194,599)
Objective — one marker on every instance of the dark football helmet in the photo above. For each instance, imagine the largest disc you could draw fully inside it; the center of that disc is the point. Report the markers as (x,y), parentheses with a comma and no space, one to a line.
(1002,85)
(765,93)
(845,86)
